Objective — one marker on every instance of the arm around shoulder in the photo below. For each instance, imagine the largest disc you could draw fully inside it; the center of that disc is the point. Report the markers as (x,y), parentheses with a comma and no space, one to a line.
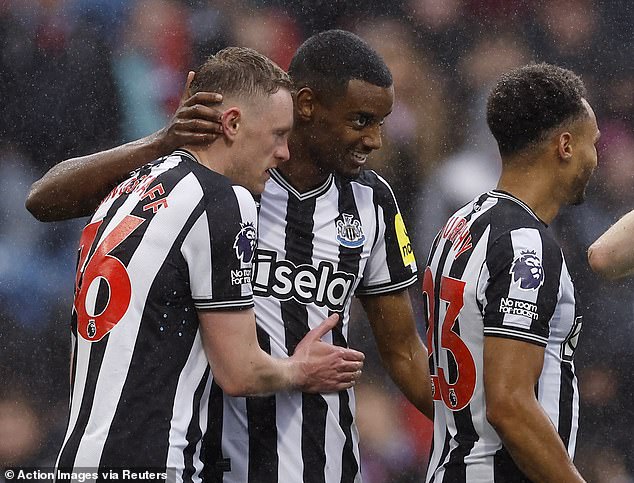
(74,187)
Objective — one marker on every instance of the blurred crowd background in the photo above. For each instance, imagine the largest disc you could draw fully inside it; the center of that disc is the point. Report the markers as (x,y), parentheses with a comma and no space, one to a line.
(78,76)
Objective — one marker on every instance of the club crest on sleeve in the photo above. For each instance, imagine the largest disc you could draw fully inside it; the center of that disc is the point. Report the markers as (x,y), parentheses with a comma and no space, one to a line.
(349,231)
(245,242)
(527,270)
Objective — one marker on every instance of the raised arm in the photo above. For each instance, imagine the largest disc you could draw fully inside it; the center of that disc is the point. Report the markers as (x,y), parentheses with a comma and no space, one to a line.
(242,368)
(74,187)
(612,254)
(511,371)
(401,349)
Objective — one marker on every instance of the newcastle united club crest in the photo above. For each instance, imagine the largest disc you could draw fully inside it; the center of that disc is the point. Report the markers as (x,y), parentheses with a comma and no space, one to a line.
(349,231)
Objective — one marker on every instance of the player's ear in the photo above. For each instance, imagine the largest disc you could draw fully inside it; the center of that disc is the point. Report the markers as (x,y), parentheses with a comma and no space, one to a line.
(564,145)
(231,120)
(305,101)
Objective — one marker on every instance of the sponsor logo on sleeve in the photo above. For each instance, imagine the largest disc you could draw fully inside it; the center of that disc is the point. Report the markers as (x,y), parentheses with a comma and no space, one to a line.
(527,271)
(245,242)
(405,246)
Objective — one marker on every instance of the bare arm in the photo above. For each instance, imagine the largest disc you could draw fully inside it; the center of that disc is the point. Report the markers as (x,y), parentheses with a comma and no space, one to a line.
(74,187)
(511,371)
(612,254)
(402,352)
(242,368)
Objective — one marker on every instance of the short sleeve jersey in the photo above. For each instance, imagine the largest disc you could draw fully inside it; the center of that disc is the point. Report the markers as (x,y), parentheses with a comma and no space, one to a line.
(315,251)
(172,239)
(495,270)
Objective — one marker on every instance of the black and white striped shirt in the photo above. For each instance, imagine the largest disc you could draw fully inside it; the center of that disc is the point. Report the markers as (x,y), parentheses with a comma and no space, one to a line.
(315,251)
(495,270)
(174,238)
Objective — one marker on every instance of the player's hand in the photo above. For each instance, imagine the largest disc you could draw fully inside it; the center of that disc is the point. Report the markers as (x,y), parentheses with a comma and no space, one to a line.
(323,367)
(196,122)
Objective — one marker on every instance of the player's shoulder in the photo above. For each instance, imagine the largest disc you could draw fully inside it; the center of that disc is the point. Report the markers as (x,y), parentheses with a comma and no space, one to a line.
(513,219)
(371,179)
(219,190)
(510,213)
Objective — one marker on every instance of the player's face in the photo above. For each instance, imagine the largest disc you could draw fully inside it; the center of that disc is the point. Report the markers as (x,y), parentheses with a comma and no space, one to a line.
(586,137)
(264,137)
(348,129)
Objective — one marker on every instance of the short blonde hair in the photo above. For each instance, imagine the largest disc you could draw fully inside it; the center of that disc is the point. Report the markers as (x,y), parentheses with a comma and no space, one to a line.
(240,72)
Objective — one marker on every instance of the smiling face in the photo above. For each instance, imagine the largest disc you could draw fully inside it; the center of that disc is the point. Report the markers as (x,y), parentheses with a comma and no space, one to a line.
(262,139)
(348,129)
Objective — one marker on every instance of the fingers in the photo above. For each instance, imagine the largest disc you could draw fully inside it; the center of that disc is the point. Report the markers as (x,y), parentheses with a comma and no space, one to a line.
(340,383)
(353,355)
(188,83)
(199,111)
(197,126)
(204,98)
(350,367)
(322,329)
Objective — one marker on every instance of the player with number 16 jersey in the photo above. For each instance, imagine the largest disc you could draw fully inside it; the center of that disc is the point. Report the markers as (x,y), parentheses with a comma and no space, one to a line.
(495,270)
(173,238)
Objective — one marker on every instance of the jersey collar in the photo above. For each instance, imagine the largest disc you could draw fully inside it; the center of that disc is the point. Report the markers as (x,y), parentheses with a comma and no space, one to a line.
(278,177)
(185,153)
(509,196)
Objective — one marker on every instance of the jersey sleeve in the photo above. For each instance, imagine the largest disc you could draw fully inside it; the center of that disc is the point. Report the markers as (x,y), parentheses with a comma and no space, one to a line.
(219,252)
(519,286)
(391,266)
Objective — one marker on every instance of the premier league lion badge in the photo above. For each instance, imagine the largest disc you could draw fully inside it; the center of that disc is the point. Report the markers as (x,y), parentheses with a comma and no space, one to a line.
(527,270)
(245,242)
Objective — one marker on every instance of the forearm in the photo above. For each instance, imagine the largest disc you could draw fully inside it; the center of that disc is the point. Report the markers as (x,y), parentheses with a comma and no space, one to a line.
(261,375)
(402,352)
(534,444)
(242,368)
(409,369)
(74,187)
(612,254)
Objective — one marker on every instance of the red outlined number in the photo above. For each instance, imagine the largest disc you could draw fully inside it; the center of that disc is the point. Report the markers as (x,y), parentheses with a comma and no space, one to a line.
(428,291)
(94,323)
(457,394)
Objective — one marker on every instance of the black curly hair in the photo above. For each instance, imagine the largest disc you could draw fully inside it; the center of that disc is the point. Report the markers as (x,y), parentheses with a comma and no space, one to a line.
(528,102)
(327,61)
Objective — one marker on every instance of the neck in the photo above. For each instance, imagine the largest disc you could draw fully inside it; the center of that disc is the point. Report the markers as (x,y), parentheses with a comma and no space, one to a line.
(535,184)
(300,170)
(216,161)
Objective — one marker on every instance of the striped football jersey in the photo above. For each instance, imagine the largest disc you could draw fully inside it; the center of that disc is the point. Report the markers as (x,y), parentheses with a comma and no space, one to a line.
(172,239)
(495,270)
(315,251)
